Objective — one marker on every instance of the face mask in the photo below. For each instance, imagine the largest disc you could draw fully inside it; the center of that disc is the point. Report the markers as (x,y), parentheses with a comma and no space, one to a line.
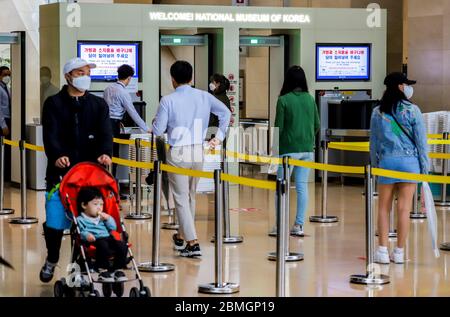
(45,80)
(82,83)
(6,80)
(212,87)
(408,91)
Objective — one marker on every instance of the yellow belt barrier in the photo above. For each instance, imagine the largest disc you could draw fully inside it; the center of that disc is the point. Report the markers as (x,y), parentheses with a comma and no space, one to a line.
(435,136)
(250,182)
(438,142)
(186,172)
(12,143)
(122,141)
(129,163)
(328,167)
(255,158)
(33,147)
(411,177)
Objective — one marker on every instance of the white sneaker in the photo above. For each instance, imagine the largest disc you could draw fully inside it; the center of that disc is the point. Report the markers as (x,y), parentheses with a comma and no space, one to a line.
(297,230)
(382,256)
(273,232)
(398,256)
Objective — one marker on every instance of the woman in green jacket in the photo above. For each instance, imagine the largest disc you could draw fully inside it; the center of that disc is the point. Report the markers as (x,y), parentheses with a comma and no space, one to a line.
(298,122)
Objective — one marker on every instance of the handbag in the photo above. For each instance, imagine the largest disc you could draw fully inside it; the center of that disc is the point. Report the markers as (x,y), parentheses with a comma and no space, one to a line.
(150,177)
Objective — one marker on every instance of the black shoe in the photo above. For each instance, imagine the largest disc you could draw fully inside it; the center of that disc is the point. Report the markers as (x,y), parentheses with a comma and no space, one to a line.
(47,272)
(120,277)
(178,244)
(106,277)
(191,251)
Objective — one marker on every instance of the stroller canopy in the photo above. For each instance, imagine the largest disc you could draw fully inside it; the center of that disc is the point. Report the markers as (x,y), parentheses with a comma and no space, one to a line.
(91,175)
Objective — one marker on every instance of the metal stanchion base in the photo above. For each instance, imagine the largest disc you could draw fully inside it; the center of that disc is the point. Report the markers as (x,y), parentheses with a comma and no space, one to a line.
(418,215)
(170,226)
(6,211)
(442,204)
(23,221)
(369,279)
(133,216)
(445,246)
(291,257)
(230,239)
(162,267)
(323,219)
(213,288)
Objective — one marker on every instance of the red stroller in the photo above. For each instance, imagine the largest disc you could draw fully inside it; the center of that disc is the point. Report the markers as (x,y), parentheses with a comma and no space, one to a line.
(83,253)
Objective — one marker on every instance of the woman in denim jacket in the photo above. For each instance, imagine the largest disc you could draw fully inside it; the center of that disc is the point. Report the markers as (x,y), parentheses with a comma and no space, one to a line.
(398,141)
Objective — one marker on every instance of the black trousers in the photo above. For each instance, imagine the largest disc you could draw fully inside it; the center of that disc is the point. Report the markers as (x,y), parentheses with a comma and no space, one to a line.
(53,240)
(108,248)
(115,123)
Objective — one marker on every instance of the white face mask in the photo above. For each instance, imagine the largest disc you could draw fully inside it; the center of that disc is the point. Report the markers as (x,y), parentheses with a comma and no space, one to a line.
(6,80)
(45,80)
(408,91)
(82,83)
(212,87)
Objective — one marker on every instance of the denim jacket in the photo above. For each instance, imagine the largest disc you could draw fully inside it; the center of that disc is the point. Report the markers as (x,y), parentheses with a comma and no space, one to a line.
(387,139)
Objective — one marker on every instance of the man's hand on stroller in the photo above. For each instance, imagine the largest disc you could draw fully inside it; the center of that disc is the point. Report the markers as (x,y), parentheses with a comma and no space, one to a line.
(90,238)
(105,160)
(62,162)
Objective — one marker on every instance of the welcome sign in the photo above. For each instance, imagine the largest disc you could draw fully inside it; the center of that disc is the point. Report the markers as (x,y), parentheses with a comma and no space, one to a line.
(229,17)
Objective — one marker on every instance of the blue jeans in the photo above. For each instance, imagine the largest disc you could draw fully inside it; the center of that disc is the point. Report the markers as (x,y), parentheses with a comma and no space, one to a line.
(301,183)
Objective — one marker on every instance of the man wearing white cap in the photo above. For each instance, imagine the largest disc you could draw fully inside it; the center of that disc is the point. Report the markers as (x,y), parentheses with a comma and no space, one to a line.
(76,128)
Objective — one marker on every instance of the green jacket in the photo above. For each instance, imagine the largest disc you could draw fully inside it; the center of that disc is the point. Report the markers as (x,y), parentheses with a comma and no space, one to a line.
(298,121)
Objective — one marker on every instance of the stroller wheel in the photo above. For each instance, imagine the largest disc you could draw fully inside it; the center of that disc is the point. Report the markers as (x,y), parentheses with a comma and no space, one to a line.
(134,292)
(107,289)
(59,289)
(95,294)
(69,291)
(145,292)
(118,289)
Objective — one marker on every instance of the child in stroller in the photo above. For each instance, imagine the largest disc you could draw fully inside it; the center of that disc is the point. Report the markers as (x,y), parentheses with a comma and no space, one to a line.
(95,228)
(90,196)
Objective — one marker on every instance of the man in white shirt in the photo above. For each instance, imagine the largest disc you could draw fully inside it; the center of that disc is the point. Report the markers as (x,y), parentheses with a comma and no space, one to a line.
(184,115)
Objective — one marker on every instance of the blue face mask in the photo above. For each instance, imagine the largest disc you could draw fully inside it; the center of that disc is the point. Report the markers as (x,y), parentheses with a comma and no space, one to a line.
(408,91)
(82,83)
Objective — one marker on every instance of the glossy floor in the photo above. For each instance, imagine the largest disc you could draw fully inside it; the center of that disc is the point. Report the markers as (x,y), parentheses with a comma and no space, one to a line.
(332,252)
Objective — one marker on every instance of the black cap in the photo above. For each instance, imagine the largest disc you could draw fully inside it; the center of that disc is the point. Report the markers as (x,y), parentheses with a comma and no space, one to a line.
(395,79)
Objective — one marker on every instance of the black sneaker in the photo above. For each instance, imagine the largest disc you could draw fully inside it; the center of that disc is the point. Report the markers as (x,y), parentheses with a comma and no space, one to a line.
(178,244)
(120,277)
(47,271)
(106,277)
(191,251)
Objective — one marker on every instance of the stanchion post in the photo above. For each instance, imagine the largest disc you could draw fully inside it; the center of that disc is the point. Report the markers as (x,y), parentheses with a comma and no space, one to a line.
(372,276)
(3,211)
(227,238)
(219,286)
(290,256)
(443,202)
(155,265)
(138,214)
(24,219)
(416,214)
(281,238)
(324,218)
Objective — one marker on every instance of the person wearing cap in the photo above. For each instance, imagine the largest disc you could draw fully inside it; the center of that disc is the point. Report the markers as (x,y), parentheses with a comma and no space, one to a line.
(398,142)
(76,128)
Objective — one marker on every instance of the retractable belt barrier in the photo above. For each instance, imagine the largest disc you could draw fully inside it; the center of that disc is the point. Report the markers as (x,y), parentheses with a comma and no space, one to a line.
(271,185)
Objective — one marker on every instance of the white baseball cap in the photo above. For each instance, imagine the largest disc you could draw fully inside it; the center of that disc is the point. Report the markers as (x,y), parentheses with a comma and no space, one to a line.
(75,63)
